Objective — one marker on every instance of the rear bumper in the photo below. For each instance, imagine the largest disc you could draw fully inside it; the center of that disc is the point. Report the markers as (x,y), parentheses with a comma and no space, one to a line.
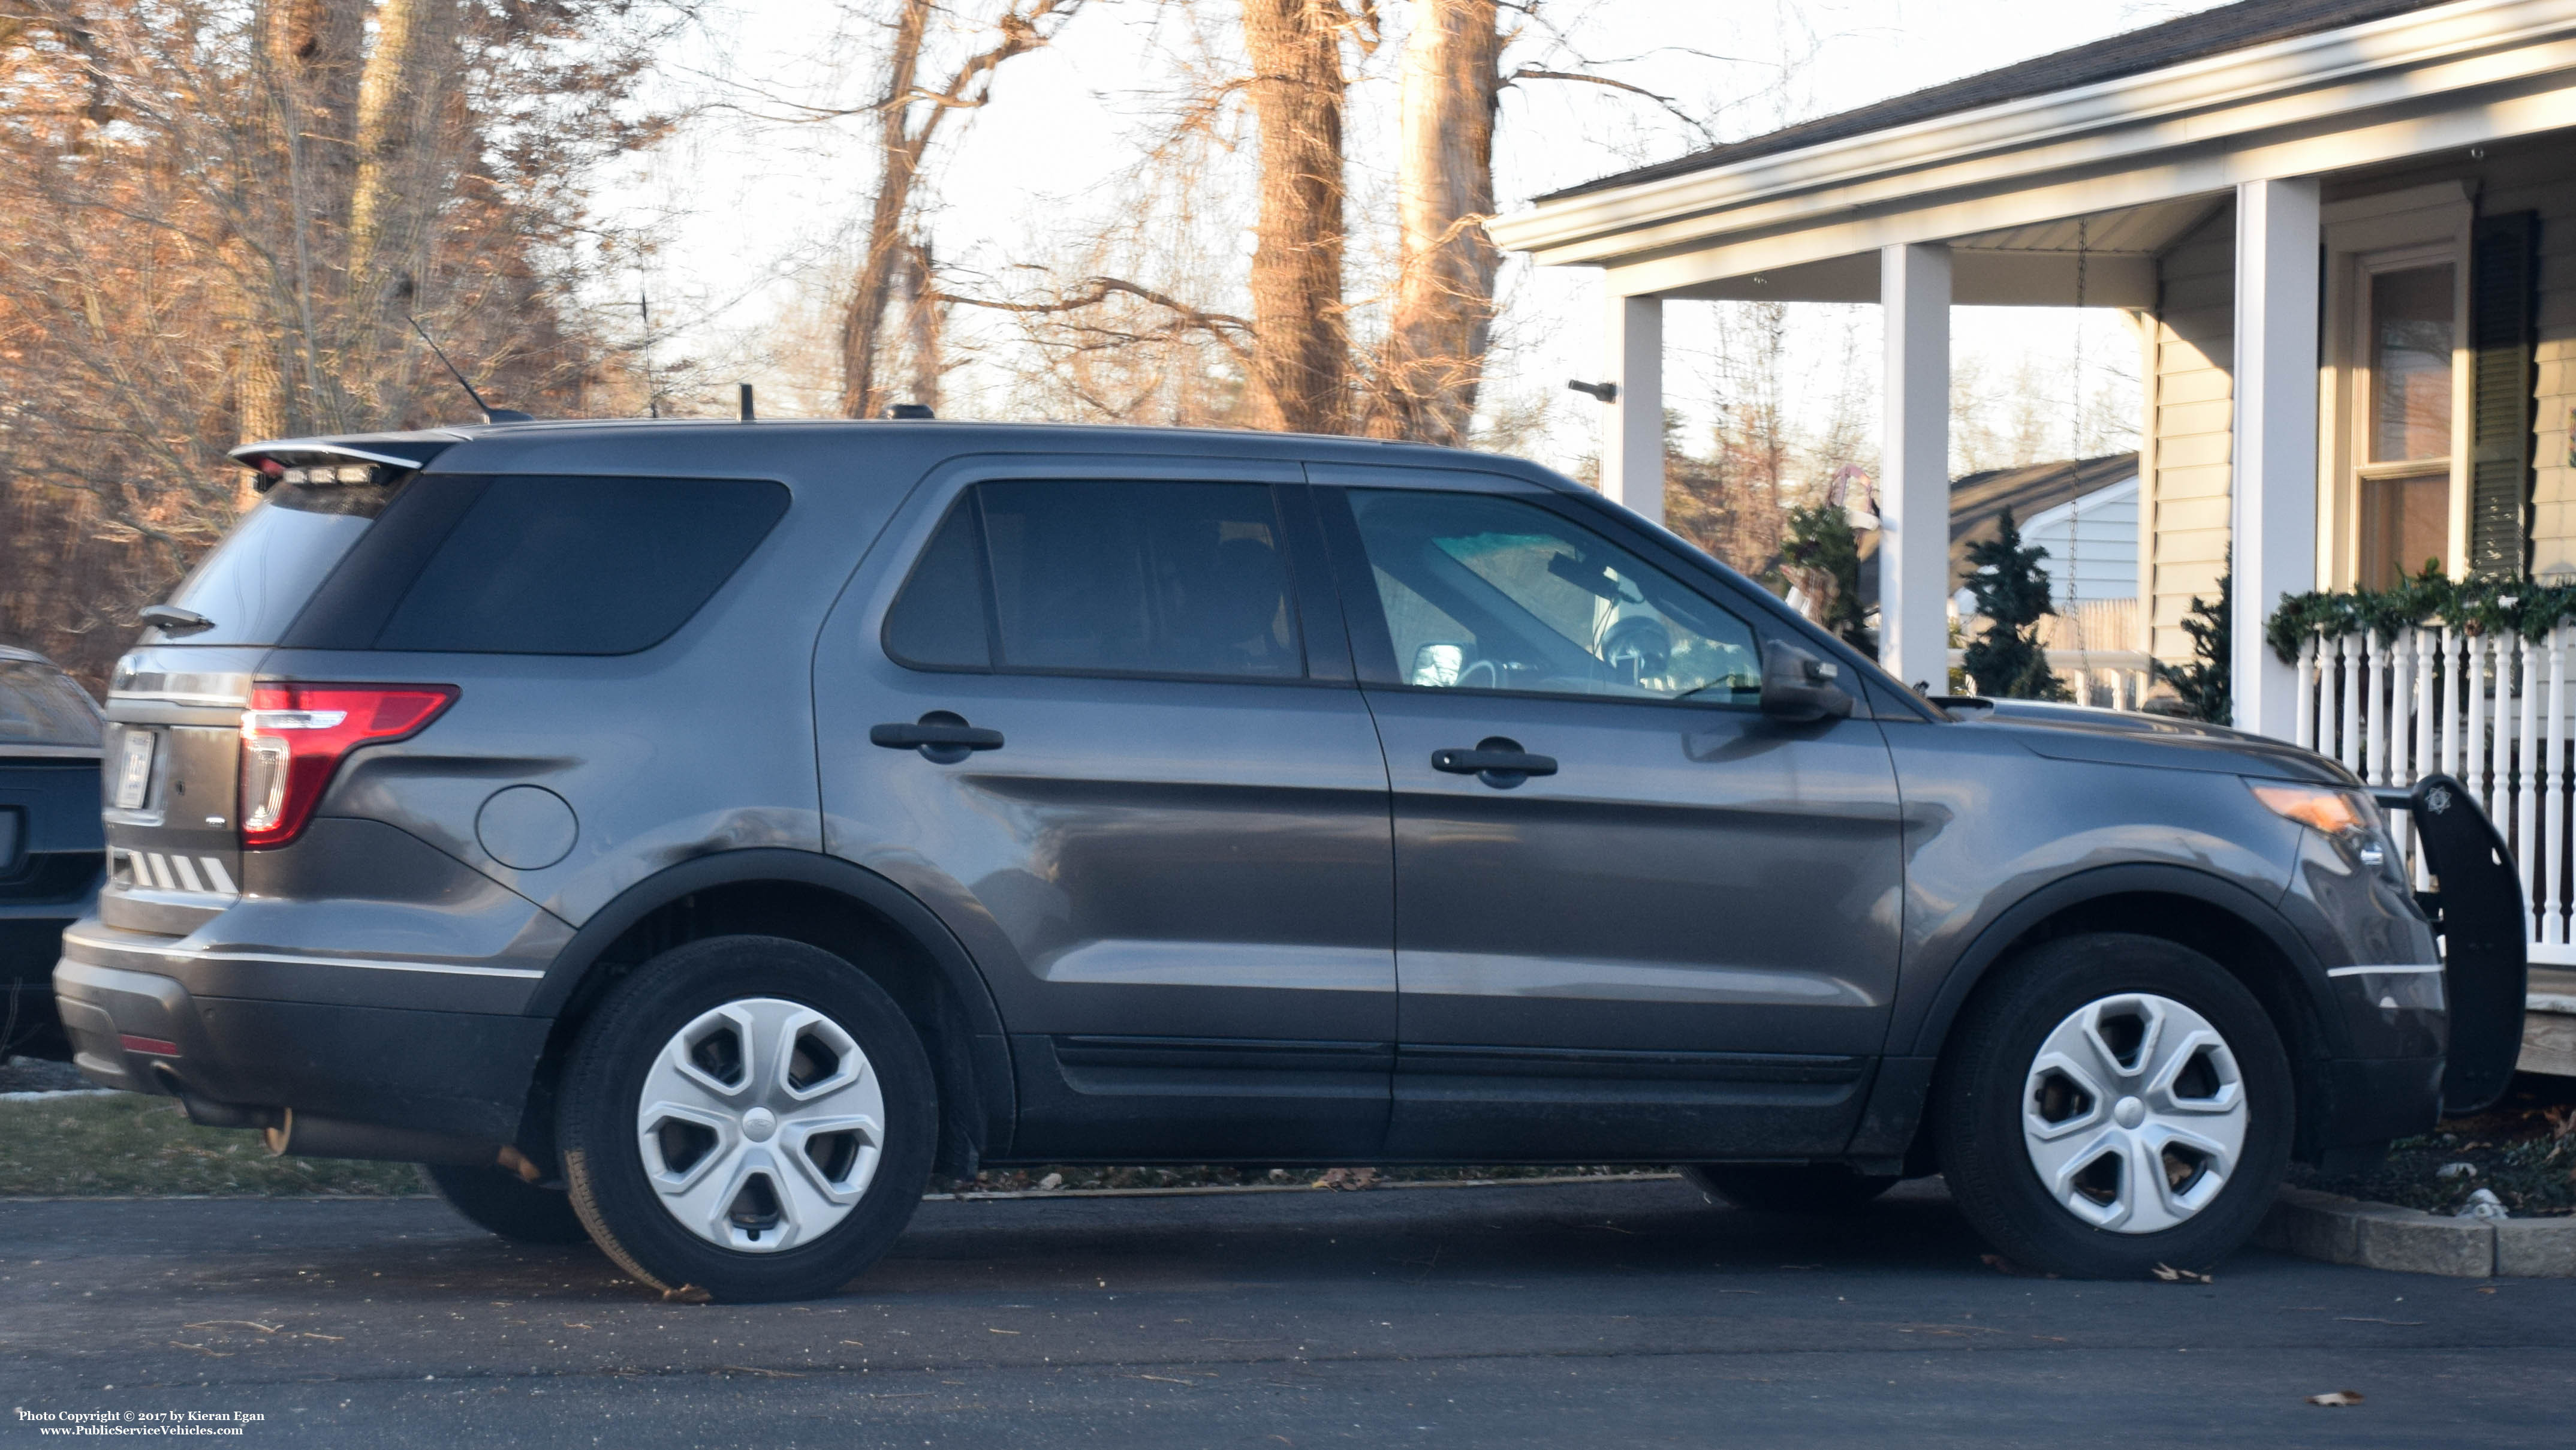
(461,1073)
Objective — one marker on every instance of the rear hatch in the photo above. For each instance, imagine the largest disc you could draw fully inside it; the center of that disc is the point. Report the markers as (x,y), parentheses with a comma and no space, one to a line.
(171,777)
(49,750)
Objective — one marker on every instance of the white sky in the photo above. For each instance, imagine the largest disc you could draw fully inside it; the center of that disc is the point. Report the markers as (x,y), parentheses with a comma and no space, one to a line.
(749,215)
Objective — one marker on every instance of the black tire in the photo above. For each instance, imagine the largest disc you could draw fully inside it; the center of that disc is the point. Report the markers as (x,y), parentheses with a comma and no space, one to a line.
(506,1204)
(1799,1188)
(598,1125)
(1990,1060)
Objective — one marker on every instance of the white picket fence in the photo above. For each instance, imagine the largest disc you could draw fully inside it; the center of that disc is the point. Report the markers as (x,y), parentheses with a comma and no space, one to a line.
(2488,709)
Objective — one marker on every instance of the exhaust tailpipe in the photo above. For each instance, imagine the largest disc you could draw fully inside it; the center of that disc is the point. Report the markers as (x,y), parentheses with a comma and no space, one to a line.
(303,1135)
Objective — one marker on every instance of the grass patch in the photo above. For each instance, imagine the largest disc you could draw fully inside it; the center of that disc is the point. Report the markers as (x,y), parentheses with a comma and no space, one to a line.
(130,1143)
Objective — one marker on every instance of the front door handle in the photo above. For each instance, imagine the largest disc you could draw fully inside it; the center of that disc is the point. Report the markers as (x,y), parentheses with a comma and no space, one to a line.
(943,737)
(1497,761)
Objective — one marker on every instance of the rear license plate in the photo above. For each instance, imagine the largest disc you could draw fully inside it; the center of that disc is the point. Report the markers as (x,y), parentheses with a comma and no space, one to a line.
(134,768)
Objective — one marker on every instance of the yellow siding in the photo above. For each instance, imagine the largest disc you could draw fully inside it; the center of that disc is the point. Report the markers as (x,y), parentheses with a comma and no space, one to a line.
(2184,495)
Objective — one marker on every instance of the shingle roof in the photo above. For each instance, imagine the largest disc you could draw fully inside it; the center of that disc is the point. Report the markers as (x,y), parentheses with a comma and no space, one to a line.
(2192,37)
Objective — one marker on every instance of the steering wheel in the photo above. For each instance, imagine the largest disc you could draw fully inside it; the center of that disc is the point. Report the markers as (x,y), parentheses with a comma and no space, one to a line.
(1493,675)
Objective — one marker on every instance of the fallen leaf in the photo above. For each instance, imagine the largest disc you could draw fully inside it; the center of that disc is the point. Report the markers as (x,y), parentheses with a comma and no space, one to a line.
(687,1294)
(2336,1399)
(1162,1379)
(861,1343)
(2172,1275)
(334,1338)
(245,1323)
(774,1374)
(1001,1331)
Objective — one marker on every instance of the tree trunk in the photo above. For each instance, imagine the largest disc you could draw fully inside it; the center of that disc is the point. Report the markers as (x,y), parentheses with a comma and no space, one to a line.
(1444,297)
(1300,345)
(403,96)
(309,61)
(898,166)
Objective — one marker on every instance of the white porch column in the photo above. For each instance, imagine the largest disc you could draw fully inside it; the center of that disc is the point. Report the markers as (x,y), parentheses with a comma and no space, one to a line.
(2273,504)
(1632,436)
(1914,461)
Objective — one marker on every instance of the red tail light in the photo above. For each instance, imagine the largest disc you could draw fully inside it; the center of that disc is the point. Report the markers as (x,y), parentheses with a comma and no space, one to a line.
(293,738)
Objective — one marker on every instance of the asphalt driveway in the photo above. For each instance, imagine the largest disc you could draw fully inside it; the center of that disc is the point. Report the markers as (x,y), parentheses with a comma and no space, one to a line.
(1623,1313)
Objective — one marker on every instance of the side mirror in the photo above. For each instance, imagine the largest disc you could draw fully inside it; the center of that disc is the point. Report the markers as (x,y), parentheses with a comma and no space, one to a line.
(1799,687)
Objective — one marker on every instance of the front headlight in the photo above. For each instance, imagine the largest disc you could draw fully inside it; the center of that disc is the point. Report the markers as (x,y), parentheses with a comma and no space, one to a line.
(2349,818)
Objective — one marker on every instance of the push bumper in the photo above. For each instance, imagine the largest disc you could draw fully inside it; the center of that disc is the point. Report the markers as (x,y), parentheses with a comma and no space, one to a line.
(2479,913)
(135,1023)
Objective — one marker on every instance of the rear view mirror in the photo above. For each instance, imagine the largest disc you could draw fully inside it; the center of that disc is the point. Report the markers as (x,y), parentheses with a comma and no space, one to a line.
(1799,686)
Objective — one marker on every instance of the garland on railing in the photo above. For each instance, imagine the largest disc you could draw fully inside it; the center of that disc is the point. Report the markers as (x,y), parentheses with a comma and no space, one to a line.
(2479,606)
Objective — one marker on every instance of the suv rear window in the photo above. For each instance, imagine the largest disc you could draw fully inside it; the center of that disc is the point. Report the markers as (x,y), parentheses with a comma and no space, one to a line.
(39,705)
(254,583)
(573,565)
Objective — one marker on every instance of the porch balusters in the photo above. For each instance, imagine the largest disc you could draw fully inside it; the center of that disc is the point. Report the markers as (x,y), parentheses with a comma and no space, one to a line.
(2490,710)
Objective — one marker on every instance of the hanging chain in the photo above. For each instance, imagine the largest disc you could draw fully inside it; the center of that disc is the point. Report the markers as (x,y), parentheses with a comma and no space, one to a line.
(2075,466)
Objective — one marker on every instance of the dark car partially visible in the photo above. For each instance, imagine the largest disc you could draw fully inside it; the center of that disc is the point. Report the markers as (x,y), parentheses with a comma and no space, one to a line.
(53,853)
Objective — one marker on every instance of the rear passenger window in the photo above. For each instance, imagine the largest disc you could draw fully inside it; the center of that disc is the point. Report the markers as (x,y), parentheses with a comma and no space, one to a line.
(581,565)
(1103,578)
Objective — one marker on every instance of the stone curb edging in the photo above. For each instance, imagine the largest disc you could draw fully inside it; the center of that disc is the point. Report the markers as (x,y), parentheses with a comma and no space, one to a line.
(2340,1230)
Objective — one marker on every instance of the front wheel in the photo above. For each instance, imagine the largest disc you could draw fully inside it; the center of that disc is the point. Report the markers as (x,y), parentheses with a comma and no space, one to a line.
(750,1116)
(2110,1103)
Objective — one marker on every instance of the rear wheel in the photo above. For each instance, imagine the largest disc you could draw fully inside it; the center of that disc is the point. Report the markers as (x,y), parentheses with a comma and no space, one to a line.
(508,1205)
(1808,1188)
(748,1115)
(2110,1103)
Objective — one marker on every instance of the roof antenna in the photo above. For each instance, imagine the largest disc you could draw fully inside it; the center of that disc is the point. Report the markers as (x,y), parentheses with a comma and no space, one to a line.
(490,413)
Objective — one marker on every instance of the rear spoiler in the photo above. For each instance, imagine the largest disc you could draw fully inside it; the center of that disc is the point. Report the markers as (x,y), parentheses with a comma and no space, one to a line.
(2476,906)
(401,453)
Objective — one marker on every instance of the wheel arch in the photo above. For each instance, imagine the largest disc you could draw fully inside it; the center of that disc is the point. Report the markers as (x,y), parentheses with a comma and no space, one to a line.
(2232,926)
(823,901)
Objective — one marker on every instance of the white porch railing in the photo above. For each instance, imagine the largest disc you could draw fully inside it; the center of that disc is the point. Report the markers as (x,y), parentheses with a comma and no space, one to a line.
(2489,709)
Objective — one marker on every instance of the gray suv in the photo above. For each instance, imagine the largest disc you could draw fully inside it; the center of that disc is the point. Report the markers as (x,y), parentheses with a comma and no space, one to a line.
(695,835)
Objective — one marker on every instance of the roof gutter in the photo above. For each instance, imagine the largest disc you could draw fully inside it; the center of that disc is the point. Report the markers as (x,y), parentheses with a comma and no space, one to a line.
(2208,102)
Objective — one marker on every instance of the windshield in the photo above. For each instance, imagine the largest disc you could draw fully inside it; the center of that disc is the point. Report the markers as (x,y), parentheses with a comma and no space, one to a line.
(258,579)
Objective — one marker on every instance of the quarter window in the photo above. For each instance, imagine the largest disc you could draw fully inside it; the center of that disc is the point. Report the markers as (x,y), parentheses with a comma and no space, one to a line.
(1491,593)
(581,565)
(1084,577)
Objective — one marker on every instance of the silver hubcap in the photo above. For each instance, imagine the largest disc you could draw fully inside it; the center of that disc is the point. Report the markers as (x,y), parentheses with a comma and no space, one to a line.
(761,1124)
(2134,1113)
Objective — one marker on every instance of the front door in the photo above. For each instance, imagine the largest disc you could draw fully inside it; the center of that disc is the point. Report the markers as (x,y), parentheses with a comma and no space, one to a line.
(1635,917)
(1104,729)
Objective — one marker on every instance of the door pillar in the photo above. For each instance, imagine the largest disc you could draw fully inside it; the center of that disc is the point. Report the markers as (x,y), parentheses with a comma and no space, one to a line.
(2273,500)
(1914,450)
(1632,436)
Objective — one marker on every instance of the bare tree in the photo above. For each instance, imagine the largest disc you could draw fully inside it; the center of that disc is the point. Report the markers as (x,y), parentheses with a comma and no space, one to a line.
(909,112)
(181,190)
(1434,357)
(1300,341)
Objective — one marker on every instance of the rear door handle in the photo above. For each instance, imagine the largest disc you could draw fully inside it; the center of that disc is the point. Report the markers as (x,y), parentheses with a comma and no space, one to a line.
(1496,760)
(942,736)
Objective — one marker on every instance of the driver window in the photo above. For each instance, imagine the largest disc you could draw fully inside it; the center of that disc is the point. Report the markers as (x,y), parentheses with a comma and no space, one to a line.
(1493,593)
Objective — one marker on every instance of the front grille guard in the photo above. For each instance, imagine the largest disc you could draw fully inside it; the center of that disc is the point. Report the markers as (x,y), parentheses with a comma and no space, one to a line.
(2476,906)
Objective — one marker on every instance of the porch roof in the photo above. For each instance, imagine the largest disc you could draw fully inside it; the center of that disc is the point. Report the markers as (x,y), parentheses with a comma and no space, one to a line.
(2056,181)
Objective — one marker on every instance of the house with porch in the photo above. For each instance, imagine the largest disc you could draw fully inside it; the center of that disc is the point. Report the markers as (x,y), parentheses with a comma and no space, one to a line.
(2346,233)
